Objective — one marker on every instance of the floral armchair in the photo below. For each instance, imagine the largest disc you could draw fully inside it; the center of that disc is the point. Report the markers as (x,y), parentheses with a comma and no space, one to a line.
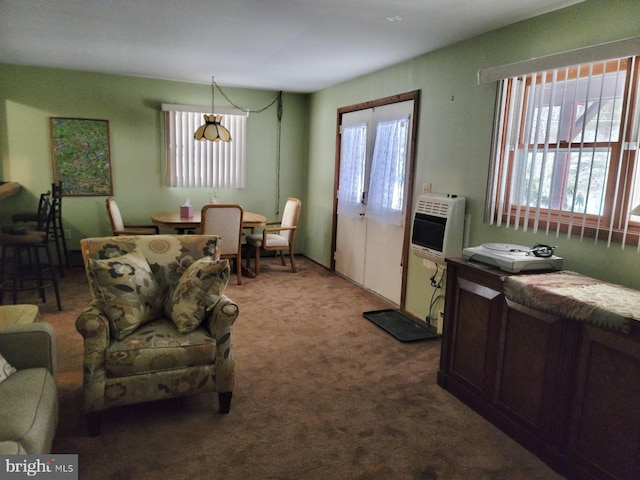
(159,325)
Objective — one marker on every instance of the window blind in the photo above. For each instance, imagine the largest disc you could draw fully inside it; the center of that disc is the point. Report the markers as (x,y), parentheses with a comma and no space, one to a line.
(621,48)
(203,164)
(565,151)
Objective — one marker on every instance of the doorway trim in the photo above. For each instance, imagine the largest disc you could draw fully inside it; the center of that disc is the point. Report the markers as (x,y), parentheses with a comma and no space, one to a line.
(402,97)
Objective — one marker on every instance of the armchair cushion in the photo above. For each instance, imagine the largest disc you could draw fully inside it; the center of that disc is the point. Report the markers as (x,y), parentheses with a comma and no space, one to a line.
(199,288)
(6,369)
(157,347)
(128,291)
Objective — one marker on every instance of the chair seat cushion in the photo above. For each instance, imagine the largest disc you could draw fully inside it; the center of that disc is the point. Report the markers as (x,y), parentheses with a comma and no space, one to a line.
(273,240)
(158,346)
(30,238)
(17,229)
(25,217)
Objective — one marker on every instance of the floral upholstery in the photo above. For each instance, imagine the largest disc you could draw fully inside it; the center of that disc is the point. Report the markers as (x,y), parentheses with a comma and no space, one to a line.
(187,303)
(155,360)
(128,291)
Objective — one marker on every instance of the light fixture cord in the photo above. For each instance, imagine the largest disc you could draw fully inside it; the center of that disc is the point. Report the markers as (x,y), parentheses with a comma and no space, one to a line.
(278,99)
(278,95)
(278,154)
(213,93)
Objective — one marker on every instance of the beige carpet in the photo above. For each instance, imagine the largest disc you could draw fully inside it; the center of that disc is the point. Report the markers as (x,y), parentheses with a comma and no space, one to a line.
(321,393)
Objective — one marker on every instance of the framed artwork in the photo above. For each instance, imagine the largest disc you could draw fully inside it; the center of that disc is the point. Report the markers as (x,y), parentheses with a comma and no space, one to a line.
(80,155)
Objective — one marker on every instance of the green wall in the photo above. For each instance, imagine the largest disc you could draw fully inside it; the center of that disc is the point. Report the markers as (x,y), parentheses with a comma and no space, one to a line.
(454,136)
(29,96)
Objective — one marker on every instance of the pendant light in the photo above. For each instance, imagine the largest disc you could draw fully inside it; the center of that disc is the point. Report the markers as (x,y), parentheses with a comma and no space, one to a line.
(212,129)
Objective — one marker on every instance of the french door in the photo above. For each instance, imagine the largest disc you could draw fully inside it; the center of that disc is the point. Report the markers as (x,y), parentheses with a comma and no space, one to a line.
(375,161)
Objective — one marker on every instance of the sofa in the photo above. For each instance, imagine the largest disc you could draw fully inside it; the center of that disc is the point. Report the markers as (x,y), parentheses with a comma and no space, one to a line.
(159,324)
(28,395)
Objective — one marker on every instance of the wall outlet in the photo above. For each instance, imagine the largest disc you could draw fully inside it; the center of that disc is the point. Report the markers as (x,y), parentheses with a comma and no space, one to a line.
(426,187)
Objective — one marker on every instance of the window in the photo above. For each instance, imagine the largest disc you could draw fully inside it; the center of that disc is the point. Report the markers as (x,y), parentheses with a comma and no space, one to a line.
(385,201)
(203,164)
(354,149)
(374,150)
(565,154)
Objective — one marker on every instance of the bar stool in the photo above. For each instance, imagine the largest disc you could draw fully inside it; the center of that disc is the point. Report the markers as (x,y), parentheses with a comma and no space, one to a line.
(32,217)
(56,228)
(25,269)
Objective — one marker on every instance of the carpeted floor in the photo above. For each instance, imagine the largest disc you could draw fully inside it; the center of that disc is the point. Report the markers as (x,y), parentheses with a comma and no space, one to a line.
(321,393)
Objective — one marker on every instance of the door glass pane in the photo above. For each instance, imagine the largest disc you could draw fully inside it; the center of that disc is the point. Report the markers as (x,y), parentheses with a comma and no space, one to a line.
(386,190)
(353,151)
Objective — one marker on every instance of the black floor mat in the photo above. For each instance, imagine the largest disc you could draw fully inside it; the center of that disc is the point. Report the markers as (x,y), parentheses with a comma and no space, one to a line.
(400,325)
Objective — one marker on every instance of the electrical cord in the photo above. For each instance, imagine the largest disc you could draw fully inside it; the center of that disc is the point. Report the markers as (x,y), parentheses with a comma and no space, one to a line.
(436,283)
(278,99)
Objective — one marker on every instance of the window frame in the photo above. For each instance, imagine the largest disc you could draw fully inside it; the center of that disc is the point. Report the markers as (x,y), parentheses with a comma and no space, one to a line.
(204,164)
(615,223)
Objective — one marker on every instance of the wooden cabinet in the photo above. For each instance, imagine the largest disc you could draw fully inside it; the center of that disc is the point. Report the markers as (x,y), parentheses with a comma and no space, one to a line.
(472,359)
(566,390)
(605,434)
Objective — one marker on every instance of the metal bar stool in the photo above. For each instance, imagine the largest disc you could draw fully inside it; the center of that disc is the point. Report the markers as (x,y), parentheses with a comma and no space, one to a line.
(25,269)
(56,228)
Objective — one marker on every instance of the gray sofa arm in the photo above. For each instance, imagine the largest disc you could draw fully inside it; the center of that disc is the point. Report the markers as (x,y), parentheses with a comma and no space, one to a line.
(29,345)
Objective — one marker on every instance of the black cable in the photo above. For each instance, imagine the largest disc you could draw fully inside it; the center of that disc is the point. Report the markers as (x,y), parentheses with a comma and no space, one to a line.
(436,284)
(278,99)
(278,155)
(278,96)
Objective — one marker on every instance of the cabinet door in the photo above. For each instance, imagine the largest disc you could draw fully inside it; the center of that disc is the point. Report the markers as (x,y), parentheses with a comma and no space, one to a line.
(605,421)
(474,336)
(530,387)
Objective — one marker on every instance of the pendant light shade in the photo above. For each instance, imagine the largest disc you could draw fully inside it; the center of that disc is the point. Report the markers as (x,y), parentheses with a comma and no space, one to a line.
(212,130)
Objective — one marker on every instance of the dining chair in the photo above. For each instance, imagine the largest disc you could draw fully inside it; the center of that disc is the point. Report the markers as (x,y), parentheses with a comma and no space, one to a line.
(277,238)
(121,228)
(225,221)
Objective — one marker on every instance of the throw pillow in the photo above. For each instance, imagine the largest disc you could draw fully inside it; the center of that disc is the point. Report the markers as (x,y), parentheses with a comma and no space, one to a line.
(129,293)
(187,303)
(6,369)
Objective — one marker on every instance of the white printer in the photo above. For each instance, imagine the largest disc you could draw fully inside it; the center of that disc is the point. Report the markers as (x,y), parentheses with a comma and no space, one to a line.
(514,258)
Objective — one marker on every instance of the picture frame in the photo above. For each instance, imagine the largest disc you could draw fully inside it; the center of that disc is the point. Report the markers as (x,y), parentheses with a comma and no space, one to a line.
(80,152)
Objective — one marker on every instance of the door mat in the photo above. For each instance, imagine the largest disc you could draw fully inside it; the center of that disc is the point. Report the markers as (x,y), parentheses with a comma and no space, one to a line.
(401,326)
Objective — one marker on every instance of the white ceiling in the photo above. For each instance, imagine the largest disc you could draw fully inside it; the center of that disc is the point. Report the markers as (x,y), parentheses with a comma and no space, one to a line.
(291,45)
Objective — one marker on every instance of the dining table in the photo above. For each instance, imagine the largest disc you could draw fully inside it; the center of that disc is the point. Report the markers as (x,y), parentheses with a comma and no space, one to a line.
(182,224)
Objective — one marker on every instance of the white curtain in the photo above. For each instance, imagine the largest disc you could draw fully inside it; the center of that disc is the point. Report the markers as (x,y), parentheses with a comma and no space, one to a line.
(386,187)
(353,150)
